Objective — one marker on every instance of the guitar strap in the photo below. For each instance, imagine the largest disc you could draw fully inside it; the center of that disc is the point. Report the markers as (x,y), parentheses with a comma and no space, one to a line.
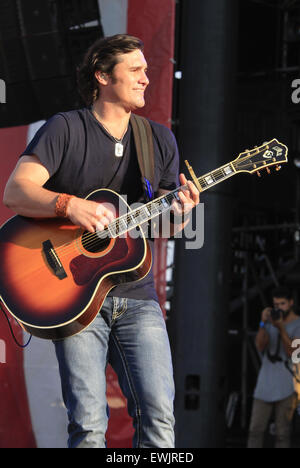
(143,139)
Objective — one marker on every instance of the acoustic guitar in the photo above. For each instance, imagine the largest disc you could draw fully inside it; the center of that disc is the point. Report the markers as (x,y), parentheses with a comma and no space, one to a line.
(54,277)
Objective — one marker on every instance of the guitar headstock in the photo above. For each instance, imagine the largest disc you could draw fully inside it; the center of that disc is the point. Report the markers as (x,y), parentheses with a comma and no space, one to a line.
(269,154)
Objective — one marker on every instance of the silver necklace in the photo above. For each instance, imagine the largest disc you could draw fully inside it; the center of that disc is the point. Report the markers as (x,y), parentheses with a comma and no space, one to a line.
(119,147)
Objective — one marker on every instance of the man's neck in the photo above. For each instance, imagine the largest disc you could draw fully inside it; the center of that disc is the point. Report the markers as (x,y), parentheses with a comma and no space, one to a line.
(113,117)
(290,317)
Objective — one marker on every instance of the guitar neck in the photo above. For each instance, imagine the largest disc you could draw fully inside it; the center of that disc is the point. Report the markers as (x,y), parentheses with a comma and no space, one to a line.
(160,205)
(218,175)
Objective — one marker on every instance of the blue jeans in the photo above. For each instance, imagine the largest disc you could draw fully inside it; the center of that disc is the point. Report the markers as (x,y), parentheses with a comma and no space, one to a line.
(131,335)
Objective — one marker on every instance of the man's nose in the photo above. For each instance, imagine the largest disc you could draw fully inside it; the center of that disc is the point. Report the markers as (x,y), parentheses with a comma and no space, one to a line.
(144,79)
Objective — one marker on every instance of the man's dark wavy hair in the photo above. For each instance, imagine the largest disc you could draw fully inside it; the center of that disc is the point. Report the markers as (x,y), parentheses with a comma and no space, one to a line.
(103,56)
(282,292)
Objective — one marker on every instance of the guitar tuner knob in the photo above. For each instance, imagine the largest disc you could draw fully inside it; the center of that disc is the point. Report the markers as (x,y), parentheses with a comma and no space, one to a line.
(278,168)
(258,173)
(268,170)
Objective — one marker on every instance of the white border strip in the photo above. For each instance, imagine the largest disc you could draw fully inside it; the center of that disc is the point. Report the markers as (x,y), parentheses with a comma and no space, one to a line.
(113,16)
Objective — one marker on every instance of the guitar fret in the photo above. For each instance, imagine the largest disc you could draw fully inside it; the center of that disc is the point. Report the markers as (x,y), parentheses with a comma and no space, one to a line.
(111,230)
(218,175)
(203,183)
(122,225)
(176,196)
(139,217)
(165,203)
(153,209)
(131,220)
(228,170)
(209,180)
(145,208)
(215,177)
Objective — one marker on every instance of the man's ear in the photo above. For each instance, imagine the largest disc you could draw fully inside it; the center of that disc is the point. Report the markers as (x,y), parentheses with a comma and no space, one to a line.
(101,77)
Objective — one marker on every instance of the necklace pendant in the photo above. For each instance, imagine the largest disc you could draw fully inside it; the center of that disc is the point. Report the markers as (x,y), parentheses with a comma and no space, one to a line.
(119,148)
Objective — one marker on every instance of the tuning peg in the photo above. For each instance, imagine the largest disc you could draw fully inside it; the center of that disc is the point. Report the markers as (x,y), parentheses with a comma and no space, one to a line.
(258,173)
(278,168)
(268,170)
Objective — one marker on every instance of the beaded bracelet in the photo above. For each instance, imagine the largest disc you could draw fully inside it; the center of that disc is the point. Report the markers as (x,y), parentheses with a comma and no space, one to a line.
(61,205)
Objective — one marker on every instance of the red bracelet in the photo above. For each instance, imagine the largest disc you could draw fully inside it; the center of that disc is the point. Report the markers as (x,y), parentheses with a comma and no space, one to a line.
(61,205)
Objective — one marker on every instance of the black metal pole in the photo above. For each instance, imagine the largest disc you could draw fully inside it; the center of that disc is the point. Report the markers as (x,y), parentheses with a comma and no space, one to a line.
(200,305)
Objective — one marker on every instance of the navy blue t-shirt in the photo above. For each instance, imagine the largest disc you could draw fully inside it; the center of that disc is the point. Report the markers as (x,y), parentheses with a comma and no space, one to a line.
(79,155)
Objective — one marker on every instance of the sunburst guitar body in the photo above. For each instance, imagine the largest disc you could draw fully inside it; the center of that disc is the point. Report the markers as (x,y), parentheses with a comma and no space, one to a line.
(54,277)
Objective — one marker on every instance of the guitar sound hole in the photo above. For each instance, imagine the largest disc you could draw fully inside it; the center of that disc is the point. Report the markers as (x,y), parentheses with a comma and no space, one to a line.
(93,244)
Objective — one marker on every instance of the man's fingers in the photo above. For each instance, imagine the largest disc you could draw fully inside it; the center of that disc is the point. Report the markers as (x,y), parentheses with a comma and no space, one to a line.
(184,206)
(190,191)
(107,210)
(104,220)
(176,208)
(186,201)
(100,226)
(194,191)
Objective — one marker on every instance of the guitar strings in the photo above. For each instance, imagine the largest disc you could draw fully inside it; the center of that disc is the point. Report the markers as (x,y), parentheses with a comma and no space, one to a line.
(99,238)
(91,240)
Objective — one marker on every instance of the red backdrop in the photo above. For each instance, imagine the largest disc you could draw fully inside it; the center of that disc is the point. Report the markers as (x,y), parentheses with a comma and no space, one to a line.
(15,421)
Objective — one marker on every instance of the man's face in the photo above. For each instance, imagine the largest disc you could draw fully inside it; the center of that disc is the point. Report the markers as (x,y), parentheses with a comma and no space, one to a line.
(283,304)
(128,82)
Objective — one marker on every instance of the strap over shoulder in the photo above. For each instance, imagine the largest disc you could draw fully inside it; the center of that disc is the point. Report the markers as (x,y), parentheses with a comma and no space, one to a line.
(143,139)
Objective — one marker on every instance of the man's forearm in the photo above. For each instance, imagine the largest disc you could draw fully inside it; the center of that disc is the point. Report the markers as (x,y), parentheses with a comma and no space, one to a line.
(287,342)
(28,199)
(262,340)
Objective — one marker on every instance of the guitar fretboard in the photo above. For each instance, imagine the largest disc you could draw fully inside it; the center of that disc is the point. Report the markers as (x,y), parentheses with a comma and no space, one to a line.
(141,215)
(217,176)
(132,219)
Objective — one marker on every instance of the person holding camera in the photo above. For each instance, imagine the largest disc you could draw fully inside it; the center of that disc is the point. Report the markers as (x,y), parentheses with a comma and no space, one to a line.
(278,328)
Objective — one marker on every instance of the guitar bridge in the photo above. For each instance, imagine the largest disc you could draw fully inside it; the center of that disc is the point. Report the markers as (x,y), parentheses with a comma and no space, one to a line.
(53,260)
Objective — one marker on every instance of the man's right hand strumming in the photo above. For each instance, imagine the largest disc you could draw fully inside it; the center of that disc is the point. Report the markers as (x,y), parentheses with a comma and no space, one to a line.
(90,215)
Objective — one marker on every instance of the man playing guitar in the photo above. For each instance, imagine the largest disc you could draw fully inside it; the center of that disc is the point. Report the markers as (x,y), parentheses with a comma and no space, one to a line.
(73,154)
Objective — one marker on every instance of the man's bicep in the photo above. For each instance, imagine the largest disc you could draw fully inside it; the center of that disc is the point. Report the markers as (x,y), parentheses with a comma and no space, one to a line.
(30,168)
